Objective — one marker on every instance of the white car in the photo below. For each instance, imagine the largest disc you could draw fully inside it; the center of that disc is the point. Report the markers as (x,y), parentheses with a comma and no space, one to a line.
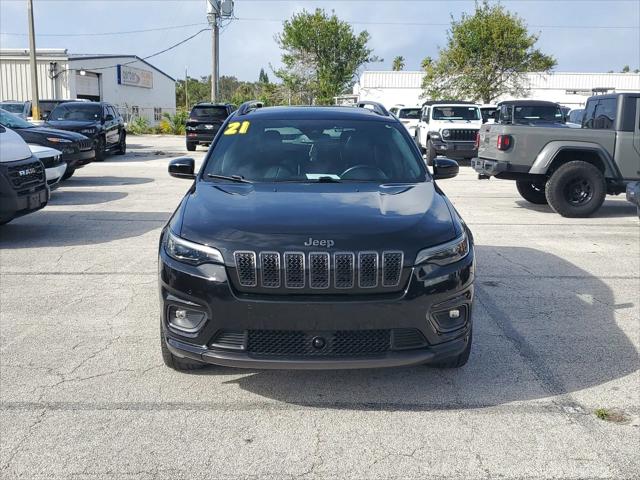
(448,128)
(52,161)
(408,116)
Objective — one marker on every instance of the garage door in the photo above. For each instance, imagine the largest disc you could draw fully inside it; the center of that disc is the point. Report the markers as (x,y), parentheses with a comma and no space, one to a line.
(88,86)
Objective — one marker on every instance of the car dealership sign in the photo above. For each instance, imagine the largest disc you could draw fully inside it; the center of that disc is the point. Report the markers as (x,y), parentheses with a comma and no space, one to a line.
(134,77)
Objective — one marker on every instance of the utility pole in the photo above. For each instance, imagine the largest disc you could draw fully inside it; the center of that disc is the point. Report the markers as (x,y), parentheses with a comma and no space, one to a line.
(35,104)
(186,90)
(216,11)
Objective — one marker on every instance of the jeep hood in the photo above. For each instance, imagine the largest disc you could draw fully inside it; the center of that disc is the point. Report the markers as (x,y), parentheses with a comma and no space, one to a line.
(284,216)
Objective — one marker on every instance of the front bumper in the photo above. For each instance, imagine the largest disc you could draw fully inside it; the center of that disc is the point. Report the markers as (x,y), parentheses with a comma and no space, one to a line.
(54,174)
(207,289)
(13,204)
(455,149)
(79,158)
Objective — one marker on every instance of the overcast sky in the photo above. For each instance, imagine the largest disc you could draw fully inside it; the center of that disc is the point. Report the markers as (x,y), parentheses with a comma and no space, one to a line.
(413,29)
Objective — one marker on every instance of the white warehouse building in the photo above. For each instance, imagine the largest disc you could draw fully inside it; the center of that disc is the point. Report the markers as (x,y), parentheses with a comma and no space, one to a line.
(570,89)
(133,85)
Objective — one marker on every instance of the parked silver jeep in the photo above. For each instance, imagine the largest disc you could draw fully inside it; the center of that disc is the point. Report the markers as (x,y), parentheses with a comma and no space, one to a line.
(571,169)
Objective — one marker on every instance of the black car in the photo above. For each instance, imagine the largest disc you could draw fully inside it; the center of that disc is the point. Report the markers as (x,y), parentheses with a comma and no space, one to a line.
(315,237)
(100,121)
(77,150)
(204,122)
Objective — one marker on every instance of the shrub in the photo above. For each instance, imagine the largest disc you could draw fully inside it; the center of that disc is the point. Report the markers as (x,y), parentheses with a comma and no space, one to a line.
(174,124)
(138,126)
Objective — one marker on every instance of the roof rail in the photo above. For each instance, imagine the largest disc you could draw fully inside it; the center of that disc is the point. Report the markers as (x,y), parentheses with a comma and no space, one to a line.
(247,107)
(377,107)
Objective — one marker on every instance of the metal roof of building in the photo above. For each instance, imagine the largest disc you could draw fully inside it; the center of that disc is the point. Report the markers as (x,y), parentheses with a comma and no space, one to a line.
(554,80)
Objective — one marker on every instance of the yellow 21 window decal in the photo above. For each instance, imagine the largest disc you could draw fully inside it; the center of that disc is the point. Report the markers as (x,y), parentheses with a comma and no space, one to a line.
(237,127)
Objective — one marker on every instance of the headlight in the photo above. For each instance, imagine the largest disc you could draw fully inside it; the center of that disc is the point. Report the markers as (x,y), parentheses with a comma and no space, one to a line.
(90,131)
(446,253)
(446,133)
(58,140)
(435,135)
(188,252)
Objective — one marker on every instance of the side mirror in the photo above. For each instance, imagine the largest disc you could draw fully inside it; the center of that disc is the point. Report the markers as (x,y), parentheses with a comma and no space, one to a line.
(108,118)
(444,168)
(182,167)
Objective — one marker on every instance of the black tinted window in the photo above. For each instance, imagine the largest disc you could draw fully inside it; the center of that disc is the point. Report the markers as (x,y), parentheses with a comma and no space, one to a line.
(410,113)
(605,114)
(306,150)
(537,114)
(505,114)
(488,113)
(587,119)
(219,113)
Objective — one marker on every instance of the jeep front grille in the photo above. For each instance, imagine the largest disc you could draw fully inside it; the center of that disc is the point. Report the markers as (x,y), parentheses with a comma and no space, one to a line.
(319,270)
(461,135)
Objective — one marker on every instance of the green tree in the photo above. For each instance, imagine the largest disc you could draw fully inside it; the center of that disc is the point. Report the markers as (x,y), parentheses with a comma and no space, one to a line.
(321,55)
(263,77)
(486,55)
(626,69)
(398,63)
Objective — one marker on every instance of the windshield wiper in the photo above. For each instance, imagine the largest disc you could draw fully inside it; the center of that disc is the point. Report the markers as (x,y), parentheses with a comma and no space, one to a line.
(231,178)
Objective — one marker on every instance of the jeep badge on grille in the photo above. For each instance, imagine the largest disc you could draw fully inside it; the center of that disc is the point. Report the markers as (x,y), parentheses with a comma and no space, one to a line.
(319,243)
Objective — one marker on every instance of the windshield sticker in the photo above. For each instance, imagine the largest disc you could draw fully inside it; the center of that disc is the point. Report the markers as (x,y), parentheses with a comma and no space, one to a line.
(318,176)
(237,127)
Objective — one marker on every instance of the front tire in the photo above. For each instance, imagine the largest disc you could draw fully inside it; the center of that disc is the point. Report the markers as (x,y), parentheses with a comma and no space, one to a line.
(431,153)
(576,189)
(100,149)
(533,192)
(176,363)
(68,173)
(122,144)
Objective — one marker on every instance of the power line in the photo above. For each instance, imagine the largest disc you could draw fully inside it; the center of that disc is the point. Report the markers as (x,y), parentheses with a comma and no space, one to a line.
(101,34)
(140,58)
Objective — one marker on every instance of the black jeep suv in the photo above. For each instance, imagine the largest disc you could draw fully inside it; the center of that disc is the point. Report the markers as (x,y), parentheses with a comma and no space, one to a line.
(77,150)
(204,122)
(315,237)
(100,121)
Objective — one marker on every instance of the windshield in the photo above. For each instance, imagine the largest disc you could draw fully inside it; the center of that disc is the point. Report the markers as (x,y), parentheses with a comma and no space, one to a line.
(537,113)
(12,121)
(456,113)
(488,113)
(410,113)
(219,113)
(13,107)
(266,150)
(77,111)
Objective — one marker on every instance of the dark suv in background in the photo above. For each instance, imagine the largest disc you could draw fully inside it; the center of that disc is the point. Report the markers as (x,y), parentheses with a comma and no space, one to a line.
(204,122)
(100,121)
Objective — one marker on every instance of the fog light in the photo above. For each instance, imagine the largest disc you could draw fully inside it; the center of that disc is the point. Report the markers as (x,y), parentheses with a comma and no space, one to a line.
(455,313)
(186,320)
(450,320)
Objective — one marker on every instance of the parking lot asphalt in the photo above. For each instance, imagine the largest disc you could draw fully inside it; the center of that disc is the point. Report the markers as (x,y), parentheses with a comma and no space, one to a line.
(84,393)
